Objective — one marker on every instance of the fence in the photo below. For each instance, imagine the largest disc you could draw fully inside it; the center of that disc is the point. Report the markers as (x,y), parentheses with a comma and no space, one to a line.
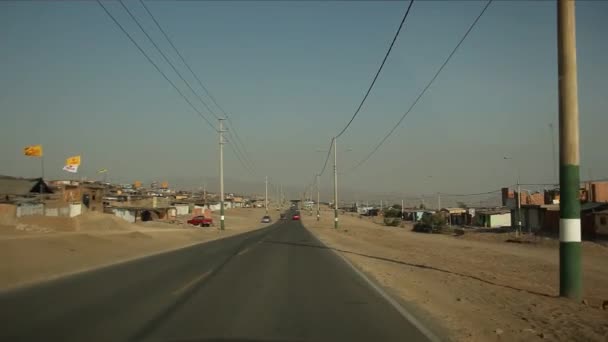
(71,210)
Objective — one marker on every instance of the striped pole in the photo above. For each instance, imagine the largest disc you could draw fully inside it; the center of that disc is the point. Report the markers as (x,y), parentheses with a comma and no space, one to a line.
(570,282)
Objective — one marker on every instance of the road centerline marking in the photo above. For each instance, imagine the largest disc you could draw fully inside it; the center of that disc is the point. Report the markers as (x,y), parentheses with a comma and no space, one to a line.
(244,251)
(191,283)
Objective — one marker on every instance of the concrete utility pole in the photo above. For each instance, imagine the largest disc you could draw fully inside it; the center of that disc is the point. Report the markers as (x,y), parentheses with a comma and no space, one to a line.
(518,206)
(318,200)
(570,277)
(438,201)
(554,166)
(205,193)
(222,225)
(518,200)
(266,195)
(335,184)
(402,208)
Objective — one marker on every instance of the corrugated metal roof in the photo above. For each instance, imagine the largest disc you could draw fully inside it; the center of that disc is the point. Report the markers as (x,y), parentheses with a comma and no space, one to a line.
(455,210)
(592,206)
(493,211)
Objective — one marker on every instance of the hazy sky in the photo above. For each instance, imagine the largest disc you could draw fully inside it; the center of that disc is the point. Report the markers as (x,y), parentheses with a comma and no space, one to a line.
(291,74)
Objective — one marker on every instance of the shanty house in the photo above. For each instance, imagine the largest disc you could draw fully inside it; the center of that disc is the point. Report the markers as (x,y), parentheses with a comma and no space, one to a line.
(492,218)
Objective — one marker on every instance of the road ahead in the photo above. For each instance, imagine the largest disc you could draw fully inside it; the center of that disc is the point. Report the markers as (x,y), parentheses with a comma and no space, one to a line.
(274,284)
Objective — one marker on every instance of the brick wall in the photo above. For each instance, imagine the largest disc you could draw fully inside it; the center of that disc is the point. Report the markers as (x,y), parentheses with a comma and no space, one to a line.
(599,191)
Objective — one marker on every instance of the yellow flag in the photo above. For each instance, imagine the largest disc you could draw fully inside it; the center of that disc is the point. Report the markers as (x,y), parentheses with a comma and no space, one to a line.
(33,151)
(73,161)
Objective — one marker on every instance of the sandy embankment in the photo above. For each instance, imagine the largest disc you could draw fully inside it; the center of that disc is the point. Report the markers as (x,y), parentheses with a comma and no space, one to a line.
(34,249)
(478,288)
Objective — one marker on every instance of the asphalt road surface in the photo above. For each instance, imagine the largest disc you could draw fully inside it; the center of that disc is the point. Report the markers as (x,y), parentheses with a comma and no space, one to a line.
(275,284)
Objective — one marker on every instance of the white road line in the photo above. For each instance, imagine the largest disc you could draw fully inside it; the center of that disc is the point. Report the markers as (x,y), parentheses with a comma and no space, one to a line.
(191,283)
(244,251)
(408,316)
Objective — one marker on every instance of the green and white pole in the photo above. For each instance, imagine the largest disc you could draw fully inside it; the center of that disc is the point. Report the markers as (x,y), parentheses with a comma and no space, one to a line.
(335,184)
(570,274)
(222,225)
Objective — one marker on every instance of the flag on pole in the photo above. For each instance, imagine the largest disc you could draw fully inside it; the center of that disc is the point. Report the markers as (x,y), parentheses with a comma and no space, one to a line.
(33,151)
(102,171)
(71,168)
(73,161)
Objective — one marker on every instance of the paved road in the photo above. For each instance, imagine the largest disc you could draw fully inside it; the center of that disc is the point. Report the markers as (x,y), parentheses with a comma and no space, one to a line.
(273,284)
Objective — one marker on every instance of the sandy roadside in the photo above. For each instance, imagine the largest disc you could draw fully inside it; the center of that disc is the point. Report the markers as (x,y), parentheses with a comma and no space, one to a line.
(35,249)
(478,290)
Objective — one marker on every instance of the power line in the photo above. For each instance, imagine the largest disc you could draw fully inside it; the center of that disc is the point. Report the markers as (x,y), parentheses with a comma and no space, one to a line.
(155,65)
(424,90)
(241,160)
(238,138)
(167,59)
(238,150)
(200,83)
(388,52)
(466,195)
(327,158)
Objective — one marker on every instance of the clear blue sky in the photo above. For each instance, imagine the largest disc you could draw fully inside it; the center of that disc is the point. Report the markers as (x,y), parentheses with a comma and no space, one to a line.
(291,74)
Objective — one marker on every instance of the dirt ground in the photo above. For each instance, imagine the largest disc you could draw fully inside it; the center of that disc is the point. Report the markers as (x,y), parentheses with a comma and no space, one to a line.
(34,249)
(476,287)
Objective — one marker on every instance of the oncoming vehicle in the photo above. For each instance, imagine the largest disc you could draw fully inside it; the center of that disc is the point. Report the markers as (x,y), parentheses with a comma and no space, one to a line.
(201,221)
(266,219)
(296,217)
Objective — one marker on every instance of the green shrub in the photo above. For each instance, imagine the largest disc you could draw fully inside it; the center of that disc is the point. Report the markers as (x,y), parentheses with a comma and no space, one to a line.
(430,223)
(392,221)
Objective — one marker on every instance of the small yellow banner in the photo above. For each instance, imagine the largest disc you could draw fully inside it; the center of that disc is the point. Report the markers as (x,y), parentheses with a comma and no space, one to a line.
(33,151)
(137,184)
(73,161)
(164,185)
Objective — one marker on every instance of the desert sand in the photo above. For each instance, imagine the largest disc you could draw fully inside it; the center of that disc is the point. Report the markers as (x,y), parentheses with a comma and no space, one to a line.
(34,249)
(477,288)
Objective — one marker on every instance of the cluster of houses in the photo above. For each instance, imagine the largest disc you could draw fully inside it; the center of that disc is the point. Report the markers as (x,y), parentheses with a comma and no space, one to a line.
(34,196)
(540,210)
(535,211)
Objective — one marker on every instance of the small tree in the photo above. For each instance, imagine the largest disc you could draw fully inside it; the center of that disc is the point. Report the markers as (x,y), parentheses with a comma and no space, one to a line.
(422,206)
(462,205)
(392,212)
(430,223)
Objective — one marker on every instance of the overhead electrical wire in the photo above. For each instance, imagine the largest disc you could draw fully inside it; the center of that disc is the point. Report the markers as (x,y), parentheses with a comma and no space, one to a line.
(166,58)
(155,65)
(331,144)
(200,83)
(466,195)
(238,157)
(369,89)
(424,90)
(237,150)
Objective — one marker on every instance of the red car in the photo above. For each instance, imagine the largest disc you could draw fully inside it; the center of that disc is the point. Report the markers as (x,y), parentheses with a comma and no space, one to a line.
(295,217)
(201,221)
